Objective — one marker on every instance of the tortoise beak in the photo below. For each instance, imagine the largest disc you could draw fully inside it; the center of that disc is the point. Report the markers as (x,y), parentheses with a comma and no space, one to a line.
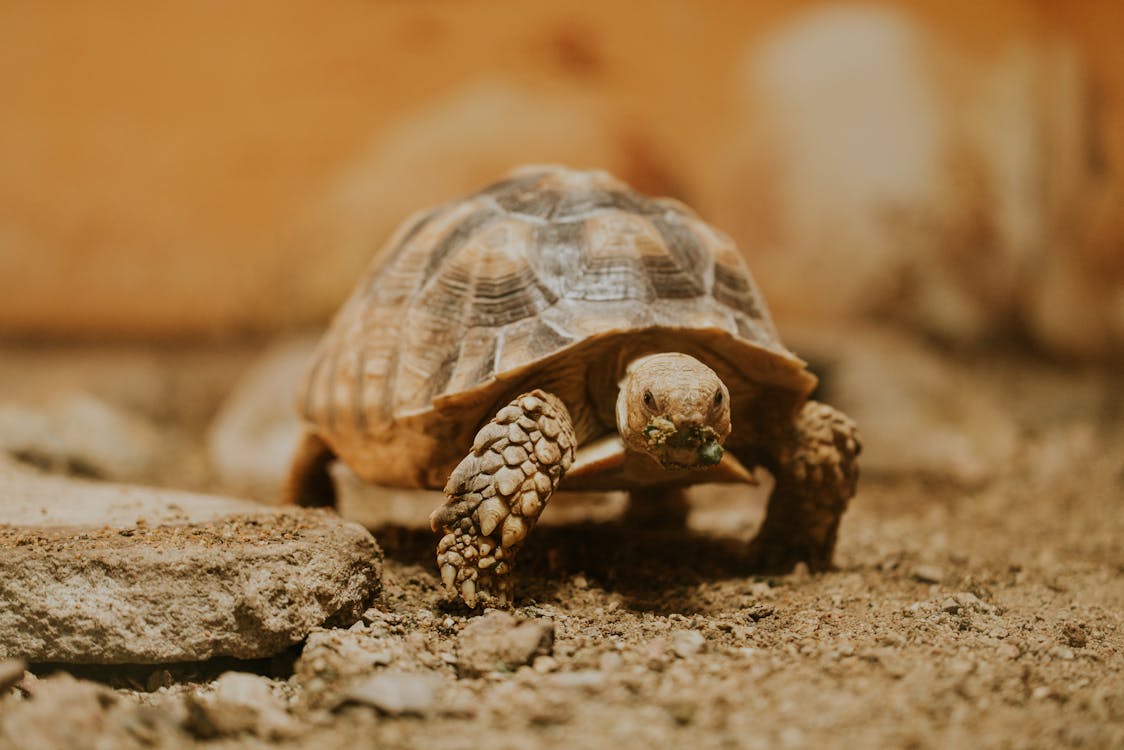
(710,453)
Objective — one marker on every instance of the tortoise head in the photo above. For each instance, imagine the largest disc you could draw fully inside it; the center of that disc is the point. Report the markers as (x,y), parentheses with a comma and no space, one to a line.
(675,409)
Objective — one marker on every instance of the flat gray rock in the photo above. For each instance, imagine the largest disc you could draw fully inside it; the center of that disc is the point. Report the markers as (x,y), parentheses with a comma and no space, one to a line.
(106,574)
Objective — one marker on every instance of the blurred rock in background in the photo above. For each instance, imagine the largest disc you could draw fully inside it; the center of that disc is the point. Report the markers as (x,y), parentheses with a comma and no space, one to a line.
(953,167)
(883,169)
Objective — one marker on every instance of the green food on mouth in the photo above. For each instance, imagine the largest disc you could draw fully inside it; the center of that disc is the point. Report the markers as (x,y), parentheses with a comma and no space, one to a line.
(659,431)
(711,453)
(662,434)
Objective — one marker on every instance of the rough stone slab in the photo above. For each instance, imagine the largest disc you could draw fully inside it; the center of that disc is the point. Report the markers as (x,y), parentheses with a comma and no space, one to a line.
(103,573)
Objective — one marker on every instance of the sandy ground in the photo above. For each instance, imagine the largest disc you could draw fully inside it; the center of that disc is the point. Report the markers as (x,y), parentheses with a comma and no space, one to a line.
(961,614)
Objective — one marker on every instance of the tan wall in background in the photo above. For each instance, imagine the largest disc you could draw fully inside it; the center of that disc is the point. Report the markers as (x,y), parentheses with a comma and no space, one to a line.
(210,168)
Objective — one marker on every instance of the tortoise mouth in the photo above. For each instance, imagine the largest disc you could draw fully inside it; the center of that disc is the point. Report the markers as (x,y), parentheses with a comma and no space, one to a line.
(688,447)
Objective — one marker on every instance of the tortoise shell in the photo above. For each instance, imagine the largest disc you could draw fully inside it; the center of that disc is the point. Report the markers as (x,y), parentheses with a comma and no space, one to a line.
(552,278)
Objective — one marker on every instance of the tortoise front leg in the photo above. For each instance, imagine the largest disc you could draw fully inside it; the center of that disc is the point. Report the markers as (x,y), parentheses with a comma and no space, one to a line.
(496,494)
(816,468)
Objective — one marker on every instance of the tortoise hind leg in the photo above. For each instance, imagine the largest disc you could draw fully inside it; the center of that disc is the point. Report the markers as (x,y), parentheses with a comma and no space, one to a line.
(309,484)
(496,494)
(816,469)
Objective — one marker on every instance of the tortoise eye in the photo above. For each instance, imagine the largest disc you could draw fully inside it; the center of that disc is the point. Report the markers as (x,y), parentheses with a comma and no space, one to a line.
(649,400)
(717,398)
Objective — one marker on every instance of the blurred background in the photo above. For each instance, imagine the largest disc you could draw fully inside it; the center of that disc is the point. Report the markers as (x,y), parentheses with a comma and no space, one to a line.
(208,169)
(920,187)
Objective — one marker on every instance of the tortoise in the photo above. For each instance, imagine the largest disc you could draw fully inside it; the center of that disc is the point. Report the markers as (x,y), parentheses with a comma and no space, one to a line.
(559,329)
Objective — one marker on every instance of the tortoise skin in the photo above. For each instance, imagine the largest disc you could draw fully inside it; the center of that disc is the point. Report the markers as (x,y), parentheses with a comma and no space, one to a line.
(551,278)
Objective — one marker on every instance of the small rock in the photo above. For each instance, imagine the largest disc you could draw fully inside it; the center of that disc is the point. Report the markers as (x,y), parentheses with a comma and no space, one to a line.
(11,672)
(760,611)
(1062,652)
(927,574)
(240,703)
(544,664)
(500,641)
(1008,650)
(741,632)
(687,643)
(968,600)
(157,679)
(372,616)
(950,605)
(1075,635)
(333,654)
(64,713)
(231,709)
(396,693)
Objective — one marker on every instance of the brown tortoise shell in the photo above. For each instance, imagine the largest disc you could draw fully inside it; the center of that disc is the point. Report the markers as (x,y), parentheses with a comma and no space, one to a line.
(552,278)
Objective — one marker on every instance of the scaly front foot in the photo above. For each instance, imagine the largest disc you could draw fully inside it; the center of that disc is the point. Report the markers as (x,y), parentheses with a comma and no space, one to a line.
(496,494)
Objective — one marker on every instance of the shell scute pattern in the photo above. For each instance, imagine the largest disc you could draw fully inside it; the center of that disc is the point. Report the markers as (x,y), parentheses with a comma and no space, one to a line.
(519,272)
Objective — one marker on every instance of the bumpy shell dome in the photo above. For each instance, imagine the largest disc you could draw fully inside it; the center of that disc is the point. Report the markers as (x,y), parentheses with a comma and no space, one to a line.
(552,278)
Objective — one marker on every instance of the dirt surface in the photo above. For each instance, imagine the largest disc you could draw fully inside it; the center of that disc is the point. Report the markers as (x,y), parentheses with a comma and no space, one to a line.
(986,614)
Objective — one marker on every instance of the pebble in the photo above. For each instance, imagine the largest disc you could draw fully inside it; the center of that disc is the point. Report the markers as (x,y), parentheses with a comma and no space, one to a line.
(968,600)
(928,574)
(63,713)
(760,611)
(544,664)
(241,703)
(1075,635)
(396,693)
(11,672)
(1008,651)
(687,643)
(500,641)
